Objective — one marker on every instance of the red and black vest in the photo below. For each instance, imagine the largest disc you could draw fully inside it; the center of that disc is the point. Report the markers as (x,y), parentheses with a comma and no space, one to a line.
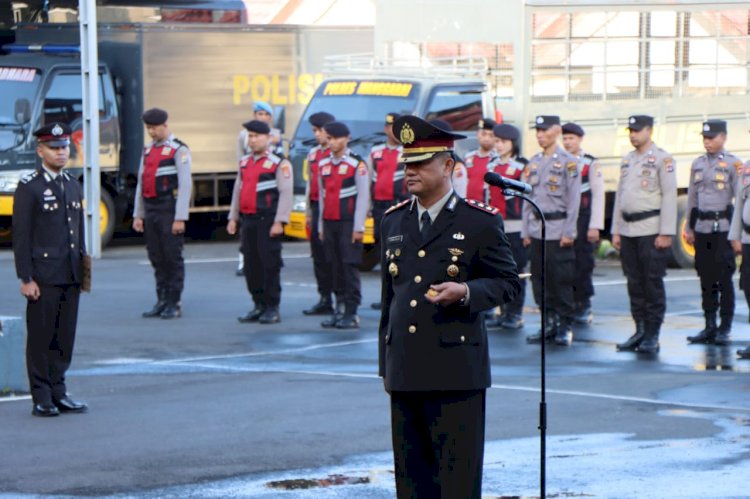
(476,166)
(586,160)
(159,178)
(340,184)
(510,207)
(260,192)
(387,174)
(314,158)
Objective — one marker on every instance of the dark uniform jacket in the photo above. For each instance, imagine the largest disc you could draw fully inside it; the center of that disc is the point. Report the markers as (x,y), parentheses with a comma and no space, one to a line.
(48,240)
(423,346)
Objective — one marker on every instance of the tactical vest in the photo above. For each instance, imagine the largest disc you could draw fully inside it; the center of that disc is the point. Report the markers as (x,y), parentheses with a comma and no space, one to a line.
(587,161)
(387,174)
(476,167)
(313,161)
(159,178)
(260,192)
(339,182)
(510,207)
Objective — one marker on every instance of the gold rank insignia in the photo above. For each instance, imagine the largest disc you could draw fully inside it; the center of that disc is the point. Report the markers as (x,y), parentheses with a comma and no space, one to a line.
(455,251)
(553,179)
(452,270)
(553,188)
(407,134)
(572,165)
(393,269)
(720,176)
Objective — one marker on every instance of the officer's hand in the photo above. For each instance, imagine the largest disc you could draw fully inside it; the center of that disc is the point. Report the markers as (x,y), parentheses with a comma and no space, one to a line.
(566,242)
(663,242)
(526,242)
(737,247)
(616,241)
(277,229)
(448,293)
(138,224)
(30,290)
(232,227)
(593,235)
(178,227)
(689,236)
(357,236)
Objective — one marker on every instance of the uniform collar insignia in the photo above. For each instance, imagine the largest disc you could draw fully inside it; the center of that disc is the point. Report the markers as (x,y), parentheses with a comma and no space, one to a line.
(413,203)
(455,251)
(452,203)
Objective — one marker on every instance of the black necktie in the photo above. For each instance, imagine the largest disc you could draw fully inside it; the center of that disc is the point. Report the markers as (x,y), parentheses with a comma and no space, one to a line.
(426,224)
(59,182)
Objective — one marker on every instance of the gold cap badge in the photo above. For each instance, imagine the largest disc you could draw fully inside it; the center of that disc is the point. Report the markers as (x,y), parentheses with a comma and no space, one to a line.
(407,134)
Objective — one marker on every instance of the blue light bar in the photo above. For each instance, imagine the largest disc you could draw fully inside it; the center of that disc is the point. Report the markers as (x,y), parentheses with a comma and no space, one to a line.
(48,48)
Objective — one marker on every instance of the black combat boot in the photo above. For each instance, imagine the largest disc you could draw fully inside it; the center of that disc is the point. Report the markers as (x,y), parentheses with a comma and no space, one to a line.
(583,314)
(512,320)
(650,342)
(173,309)
(744,353)
(631,344)
(336,317)
(350,320)
(724,333)
(493,320)
(323,307)
(707,334)
(270,315)
(550,330)
(564,333)
(159,307)
(253,315)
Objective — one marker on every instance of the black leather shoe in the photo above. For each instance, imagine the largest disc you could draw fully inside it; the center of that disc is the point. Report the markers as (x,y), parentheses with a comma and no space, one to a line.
(349,321)
(564,336)
(650,345)
(706,336)
(631,344)
(723,337)
(584,316)
(323,307)
(332,321)
(494,322)
(512,321)
(171,312)
(376,306)
(156,310)
(67,404)
(270,316)
(44,411)
(251,316)
(744,353)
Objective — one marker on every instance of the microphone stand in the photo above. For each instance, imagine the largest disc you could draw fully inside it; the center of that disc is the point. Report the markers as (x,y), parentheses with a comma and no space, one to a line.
(543,311)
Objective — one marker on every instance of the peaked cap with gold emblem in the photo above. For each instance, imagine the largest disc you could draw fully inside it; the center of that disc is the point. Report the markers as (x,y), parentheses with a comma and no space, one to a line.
(421,139)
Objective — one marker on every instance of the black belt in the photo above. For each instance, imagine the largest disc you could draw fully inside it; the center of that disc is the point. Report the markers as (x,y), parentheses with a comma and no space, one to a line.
(713,215)
(641,215)
(555,215)
(746,227)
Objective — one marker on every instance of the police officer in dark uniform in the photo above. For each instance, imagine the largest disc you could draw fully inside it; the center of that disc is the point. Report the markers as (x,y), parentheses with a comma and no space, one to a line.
(321,265)
(387,179)
(345,196)
(445,261)
(262,202)
(711,194)
(49,248)
(162,202)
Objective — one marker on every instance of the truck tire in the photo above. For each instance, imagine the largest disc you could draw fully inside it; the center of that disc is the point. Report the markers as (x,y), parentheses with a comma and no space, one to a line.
(683,254)
(106,217)
(370,258)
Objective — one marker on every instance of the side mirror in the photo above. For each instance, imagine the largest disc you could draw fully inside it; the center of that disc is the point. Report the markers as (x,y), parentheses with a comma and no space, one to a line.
(22,111)
(279,120)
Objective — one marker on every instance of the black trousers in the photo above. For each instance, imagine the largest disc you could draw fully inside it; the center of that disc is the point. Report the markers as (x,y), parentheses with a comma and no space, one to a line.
(262,254)
(745,272)
(438,443)
(644,267)
(715,264)
(583,285)
(345,257)
(164,248)
(51,332)
(321,264)
(560,272)
(521,257)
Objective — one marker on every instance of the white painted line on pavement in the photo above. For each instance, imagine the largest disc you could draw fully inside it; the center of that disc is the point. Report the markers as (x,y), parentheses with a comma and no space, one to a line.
(221,260)
(15,398)
(619,282)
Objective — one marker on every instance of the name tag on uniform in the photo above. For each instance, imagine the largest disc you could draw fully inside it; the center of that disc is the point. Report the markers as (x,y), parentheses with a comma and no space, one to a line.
(166,151)
(268,164)
(326,170)
(395,239)
(343,168)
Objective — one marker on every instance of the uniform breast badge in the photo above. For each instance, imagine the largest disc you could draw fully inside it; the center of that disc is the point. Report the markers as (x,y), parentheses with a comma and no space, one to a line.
(393,269)
(452,270)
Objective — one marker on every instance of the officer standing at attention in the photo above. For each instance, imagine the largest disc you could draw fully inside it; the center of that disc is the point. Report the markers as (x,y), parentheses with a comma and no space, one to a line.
(345,196)
(739,235)
(477,161)
(321,264)
(262,202)
(162,202)
(48,245)
(590,221)
(387,179)
(446,260)
(644,221)
(711,194)
(510,165)
(556,188)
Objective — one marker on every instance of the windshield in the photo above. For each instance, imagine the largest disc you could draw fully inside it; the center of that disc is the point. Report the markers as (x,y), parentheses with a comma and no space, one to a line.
(15,84)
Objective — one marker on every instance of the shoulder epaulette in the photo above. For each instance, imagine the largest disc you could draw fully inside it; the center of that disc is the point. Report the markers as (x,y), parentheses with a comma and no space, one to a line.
(377,147)
(356,157)
(397,206)
(325,161)
(589,156)
(471,153)
(274,158)
(67,176)
(522,160)
(482,207)
(29,177)
(178,142)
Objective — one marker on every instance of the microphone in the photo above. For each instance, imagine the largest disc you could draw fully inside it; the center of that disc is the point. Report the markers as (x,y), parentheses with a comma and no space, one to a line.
(493,178)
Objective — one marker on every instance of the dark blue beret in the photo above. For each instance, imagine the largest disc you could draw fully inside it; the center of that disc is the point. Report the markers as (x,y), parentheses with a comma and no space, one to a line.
(155,116)
(257,126)
(506,131)
(336,129)
(320,119)
(573,128)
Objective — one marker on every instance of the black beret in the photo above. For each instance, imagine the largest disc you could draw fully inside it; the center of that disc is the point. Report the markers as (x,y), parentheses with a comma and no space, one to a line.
(54,134)
(573,128)
(506,131)
(640,121)
(391,117)
(421,139)
(257,126)
(320,119)
(487,124)
(336,129)
(544,122)
(712,128)
(155,116)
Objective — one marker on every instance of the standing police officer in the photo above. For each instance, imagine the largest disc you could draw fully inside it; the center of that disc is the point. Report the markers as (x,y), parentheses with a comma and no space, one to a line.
(162,202)
(262,197)
(478,160)
(321,264)
(643,223)
(711,193)
(48,245)
(739,235)
(556,189)
(446,261)
(590,221)
(387,179)
(345,195)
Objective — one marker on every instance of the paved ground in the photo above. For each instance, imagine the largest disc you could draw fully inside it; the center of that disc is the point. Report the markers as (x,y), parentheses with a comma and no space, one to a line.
(207,407)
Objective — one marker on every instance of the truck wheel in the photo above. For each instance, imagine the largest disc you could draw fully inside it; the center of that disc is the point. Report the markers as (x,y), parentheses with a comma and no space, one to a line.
(106,217)
(683,254)
(370,258)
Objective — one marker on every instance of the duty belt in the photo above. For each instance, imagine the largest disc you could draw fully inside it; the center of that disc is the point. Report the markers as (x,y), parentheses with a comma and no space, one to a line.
(553,215)
(746,227)
(641,215)
(713,215)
